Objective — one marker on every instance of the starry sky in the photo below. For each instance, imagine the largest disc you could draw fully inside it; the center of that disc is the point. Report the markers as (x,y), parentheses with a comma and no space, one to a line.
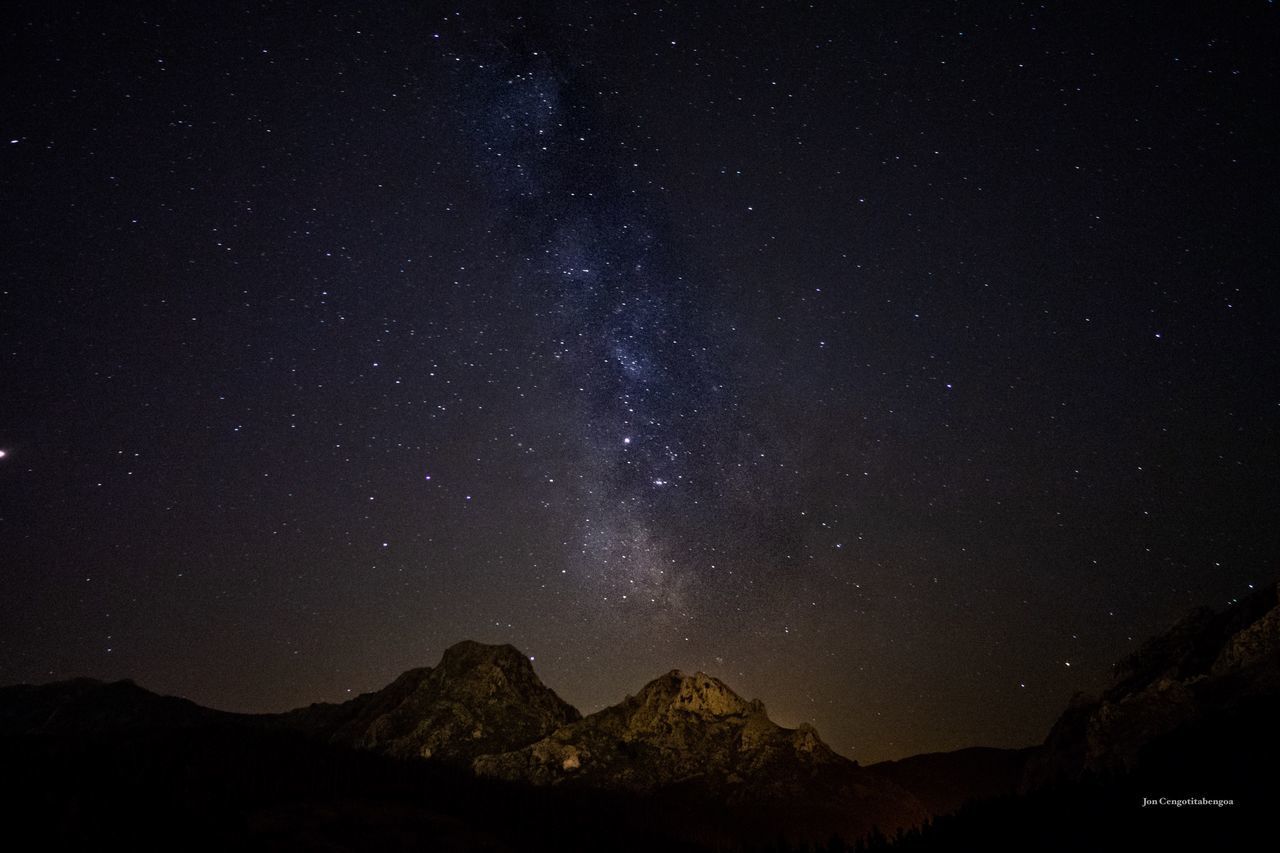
(902,364)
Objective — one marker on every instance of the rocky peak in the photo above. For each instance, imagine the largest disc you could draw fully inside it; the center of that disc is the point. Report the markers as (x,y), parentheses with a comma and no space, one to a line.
(695,734)
(468,656)
(479,699)
(699,695)
(676,728)
(1204,665)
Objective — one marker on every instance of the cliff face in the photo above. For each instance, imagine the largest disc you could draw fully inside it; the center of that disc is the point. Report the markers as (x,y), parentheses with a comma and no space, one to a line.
(693,734)
(479,699)
(1208,664)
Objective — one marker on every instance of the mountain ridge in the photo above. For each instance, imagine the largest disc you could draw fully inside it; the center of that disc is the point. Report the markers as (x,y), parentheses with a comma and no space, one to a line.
(694,734)
(689,745)
(482,708)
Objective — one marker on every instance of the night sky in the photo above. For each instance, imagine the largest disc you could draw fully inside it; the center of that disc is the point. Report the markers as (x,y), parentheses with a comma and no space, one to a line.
(903,365)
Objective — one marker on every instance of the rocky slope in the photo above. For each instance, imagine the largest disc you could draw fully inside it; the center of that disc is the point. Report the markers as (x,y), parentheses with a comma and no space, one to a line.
(692,734)
(1208,666)
(480,699)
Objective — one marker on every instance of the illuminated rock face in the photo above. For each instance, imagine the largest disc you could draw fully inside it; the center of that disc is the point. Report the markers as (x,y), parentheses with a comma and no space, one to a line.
(678,727)
(479,699)
(694,734)
(686,735)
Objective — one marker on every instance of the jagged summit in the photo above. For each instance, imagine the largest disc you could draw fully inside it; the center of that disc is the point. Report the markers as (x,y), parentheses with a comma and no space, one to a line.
(467,654)
(478,699)
(676,728)
(698,694)
(694,734)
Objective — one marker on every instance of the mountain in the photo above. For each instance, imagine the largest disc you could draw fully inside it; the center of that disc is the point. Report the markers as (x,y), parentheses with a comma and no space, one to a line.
(479,699)
(945,781)
(686,764)
(1208,668)
(692,735)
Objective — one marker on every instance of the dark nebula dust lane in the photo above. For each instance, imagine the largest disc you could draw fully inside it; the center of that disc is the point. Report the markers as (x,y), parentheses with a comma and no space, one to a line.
(901,366)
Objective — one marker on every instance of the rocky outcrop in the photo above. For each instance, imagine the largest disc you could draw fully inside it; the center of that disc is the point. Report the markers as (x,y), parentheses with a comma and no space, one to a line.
(693,734)
(479,699)
(1207,664)
(1250,646)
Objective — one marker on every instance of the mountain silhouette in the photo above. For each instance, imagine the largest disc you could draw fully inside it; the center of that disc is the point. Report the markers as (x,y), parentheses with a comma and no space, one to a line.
(476,753)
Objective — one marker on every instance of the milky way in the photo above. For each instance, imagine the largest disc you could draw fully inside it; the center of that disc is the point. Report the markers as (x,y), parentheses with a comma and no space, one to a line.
(630,339)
